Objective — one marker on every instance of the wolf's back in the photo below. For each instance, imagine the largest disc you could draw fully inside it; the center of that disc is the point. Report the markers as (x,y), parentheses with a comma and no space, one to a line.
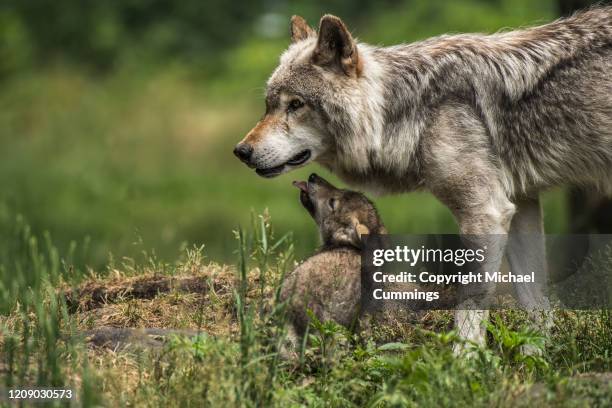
(526,56)
(591,28)
(559,131)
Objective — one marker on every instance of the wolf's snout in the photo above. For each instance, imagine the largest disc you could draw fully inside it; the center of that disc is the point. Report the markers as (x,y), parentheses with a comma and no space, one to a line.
(243,151)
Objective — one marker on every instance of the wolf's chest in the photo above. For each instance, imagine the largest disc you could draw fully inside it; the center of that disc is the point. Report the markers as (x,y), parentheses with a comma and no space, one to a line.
(379,183)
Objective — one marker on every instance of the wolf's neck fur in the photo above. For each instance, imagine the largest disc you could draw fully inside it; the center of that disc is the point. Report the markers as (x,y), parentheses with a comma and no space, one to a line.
(369,146)
(400,86)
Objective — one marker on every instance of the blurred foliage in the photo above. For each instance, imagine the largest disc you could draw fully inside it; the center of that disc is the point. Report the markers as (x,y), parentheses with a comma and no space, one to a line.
(95,33)
(142,154)
(98,33)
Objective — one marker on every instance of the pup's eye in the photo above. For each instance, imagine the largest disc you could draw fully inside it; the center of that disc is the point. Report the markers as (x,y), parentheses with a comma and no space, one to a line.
(294,105)
(332,203)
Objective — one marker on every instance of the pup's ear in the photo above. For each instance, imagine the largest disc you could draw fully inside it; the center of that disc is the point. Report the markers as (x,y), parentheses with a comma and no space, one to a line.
(336,48)
(300,30)
(351,234)
(361,229)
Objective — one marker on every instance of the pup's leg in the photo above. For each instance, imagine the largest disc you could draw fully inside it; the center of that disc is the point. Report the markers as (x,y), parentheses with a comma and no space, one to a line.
(526,252)
(289,350)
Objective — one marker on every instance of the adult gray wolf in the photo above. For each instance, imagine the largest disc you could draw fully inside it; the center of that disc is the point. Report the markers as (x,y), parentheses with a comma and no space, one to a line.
(484,122)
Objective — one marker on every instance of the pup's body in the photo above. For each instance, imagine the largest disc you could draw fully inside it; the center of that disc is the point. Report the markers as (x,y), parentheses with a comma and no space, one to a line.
(329,283)
(484,122)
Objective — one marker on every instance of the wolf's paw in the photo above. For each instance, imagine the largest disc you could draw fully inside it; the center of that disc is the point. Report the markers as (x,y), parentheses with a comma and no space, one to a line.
(465,349)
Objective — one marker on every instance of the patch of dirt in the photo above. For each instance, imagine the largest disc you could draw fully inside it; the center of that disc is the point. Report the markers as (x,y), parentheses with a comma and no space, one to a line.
(94,294)
(128,338)
(199,300)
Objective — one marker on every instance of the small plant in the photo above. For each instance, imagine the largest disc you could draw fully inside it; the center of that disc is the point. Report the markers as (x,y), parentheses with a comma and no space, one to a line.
(37,342)
(329,339)
(524,347)
(198,346)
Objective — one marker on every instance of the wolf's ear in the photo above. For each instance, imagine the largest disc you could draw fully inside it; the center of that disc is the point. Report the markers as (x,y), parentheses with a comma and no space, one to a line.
(336,48)
(300,30)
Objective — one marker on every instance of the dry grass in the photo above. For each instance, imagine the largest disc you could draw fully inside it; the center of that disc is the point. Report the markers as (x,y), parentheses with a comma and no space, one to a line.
(202,300)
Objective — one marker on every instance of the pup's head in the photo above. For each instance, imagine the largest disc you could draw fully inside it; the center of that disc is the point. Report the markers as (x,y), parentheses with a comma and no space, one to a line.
(342,215)
(302,97)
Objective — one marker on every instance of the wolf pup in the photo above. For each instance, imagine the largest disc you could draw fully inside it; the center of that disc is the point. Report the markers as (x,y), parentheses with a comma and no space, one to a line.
(484,122)
(329,282)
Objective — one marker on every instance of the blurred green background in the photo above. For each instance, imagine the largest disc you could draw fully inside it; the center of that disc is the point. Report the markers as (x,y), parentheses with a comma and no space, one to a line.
(118,118)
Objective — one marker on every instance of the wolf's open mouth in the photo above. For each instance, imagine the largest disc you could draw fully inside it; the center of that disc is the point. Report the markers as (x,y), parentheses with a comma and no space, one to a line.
(296,160)
(271,171)
(299,158)
(305,197)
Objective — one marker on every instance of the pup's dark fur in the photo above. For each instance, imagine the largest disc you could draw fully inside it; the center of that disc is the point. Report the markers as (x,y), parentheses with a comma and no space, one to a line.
(329,282)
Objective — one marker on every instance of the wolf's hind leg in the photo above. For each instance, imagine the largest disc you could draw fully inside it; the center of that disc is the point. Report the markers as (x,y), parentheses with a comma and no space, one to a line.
(526,253)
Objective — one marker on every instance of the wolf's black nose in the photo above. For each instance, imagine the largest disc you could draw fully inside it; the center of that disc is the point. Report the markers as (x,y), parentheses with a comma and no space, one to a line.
(312,178)
(243,151)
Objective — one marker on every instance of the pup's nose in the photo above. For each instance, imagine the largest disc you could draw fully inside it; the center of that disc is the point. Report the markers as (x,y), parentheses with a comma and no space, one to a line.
(312,178)
(243,151)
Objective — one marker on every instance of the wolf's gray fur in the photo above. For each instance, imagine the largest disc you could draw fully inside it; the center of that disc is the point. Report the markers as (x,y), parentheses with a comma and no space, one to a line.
(484,122)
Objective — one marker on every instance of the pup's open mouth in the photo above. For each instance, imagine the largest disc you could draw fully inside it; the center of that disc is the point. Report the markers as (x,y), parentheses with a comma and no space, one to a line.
(305,196)
(296,160)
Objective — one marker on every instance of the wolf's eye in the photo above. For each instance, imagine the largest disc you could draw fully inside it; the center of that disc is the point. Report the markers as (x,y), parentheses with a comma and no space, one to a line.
(332,203)
(294,105)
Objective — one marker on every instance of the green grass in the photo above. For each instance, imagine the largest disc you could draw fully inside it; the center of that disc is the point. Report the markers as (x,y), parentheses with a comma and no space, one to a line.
(41,345)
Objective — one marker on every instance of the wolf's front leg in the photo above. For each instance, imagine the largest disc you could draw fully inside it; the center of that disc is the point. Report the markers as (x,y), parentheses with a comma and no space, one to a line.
(471,326)
(459,171)
(474,299)
(482,227)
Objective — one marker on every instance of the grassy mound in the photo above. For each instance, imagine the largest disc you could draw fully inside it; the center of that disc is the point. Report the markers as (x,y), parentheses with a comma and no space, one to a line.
(196,333)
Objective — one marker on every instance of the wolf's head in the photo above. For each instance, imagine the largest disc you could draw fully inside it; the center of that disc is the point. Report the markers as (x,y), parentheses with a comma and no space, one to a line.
(342,215)
(306,96)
